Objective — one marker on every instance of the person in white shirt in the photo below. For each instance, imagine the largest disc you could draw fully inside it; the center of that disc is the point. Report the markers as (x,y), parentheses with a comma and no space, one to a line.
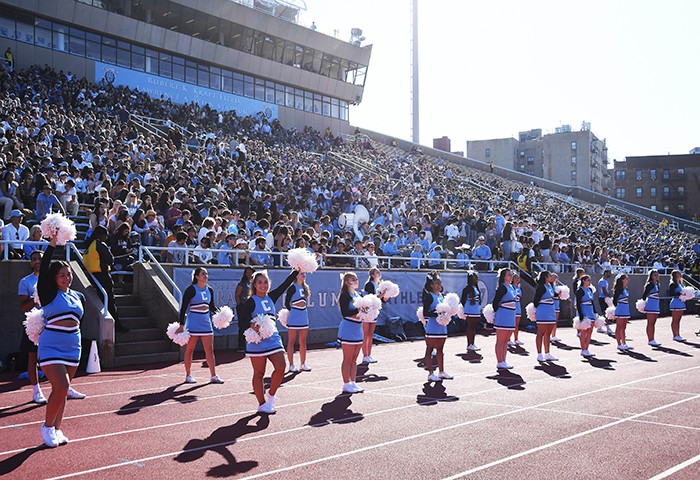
(15,231)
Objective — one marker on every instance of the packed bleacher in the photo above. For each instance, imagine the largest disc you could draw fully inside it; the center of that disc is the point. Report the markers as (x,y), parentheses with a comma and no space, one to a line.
(220,188)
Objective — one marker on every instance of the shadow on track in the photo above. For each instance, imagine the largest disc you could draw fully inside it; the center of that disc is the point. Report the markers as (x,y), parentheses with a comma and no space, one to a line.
(150,399)
(434,393)
(336,411)
(509,379)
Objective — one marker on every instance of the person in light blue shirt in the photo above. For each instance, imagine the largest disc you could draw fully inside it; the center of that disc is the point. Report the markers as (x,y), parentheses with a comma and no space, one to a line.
(391,247)
(416,257)
(435,257)
(46,202)
(481,253)
(225,258)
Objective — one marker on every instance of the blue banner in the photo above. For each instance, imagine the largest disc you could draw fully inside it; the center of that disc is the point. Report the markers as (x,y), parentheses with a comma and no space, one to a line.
(181,92)
(324,311)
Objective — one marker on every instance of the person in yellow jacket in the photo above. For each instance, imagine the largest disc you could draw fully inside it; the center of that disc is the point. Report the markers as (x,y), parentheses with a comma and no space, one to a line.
(98,260)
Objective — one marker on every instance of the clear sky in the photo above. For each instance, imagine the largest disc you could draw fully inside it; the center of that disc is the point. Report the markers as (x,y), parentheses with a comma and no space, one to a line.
(492,68)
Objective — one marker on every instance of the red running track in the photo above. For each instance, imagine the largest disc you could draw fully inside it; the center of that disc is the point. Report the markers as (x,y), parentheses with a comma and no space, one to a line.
(617,416)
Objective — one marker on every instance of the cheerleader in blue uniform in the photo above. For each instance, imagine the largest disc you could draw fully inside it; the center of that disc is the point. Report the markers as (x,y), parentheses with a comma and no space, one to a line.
(546,315)
(59,343)
(262,301)
(295,301)
(621,300)
(471,299)
(375,276)
(435,334)
(350,333)
(518,310)
(652,310)
(504,318)
(584,307)
(677,305)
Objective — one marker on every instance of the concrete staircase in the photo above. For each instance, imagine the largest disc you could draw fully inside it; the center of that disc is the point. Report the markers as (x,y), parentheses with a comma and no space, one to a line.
(145,342)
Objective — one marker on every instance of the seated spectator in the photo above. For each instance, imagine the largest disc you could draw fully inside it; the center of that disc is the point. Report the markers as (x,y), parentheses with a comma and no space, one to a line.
(122,247)
(225,257)
(435,257)
(177,249)
(203,253)
(17,232)
(34,236)
(47,202)
(416,256)
(340,258)
(260,255)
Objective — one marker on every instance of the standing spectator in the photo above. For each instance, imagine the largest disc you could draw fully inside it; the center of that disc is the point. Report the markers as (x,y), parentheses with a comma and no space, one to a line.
(15,231)
(481,254)
(10,59)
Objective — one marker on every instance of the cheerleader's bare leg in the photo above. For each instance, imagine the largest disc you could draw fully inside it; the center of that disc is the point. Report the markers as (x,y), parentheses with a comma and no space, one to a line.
(349,366)
(291,340)
(430,344)
(585,338)
(472,322)
(517,326)
(208,344)
(60,377)
(189,353)
(502,337)
(620,330)
(277,360)
(439,355)
(259,364)
(554,327)
(367,331)
(651,325)
(302,345)
(676,322)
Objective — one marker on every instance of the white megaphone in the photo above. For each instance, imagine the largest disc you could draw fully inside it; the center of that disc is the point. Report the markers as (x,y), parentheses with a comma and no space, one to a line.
(361,216)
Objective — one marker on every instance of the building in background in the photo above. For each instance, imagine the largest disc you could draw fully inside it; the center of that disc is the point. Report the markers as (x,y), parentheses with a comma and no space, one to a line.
(566,157)
(667,183)
(443,144)
(234,55)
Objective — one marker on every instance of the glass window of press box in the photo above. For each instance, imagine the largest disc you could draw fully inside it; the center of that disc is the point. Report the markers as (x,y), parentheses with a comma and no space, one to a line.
(56,36)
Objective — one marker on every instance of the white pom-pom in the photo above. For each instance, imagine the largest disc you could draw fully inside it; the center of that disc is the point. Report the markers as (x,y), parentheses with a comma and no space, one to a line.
(452,299)
(369,307)
(584,324)
(489,314)
(641,305)
(251,336)
(421,317)
(223,317)
(34,324)
(443,318)
(593,290)
(563,292)
(687,293)
(181,338)
(388,289)
(303,260)
(266,325)
(531,311)
(610,313)
(609,302)
(36,295)
(282,316)
(599,321)
(59,226)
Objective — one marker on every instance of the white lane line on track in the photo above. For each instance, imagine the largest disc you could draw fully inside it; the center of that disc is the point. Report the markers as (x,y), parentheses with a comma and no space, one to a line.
(631,362)
(676,392)
(677,468)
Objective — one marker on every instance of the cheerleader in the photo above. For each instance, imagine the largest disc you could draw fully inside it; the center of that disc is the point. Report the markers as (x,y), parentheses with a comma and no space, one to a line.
(375,277)
(546,315)
(557,308)
(603,295)
(59,343)
(622,310)
(435,334)
(518,310)
(295,301)
(504,306)
(677,305)
(195,316)
(350,332)
(584,307)
(471,299)
(262,302)
(651,295)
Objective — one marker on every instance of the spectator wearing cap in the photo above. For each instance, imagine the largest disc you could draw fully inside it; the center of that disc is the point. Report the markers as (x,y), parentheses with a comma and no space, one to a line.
(481,253)
(173,214)
(15,231)
(47,202)
(225,257)
(156,232)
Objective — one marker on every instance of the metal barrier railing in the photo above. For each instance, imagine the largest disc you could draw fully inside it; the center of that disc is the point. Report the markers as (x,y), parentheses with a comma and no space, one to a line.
(571,267)
(145,251)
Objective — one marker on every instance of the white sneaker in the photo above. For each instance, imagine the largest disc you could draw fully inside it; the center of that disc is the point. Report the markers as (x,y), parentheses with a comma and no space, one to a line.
(554,339)
(293,368)
(39,397)
(511,343)
(540,358)
(190,379)
(507,366)
(473,348)
(371,359)
(678,338)
(434,378)
(272,401)
(305,368)
(654,343)
(627,347)
(266,408)
(502,366)
(74,394)
(445,376)
(586,354)
(600,330)
(434,352)
(348,388)
(622,347)
(48,434)
(519,342)
(550,358)
(62,439)
(366,359)
(216,379)
(357,388)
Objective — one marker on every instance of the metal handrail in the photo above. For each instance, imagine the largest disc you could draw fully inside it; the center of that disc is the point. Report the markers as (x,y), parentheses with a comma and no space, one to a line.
(6,251)
(557,267)
(160,269)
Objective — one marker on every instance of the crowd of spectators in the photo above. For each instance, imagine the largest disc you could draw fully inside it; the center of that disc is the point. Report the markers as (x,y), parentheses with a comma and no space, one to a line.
(235,190)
